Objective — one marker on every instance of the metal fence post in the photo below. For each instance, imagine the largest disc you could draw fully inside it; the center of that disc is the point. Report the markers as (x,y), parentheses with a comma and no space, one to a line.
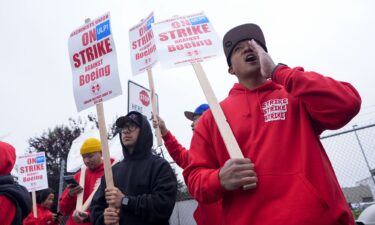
(363,153)
(62,170)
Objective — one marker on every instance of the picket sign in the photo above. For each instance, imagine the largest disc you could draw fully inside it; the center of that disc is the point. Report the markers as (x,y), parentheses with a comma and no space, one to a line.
(190,40)
(104,141)
(155,112)
(82,184)
(33,196)
(33,175)
(224,128)
(144,57)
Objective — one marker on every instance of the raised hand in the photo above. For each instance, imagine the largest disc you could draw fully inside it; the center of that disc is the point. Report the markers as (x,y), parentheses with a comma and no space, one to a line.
(159,122)
(266,63)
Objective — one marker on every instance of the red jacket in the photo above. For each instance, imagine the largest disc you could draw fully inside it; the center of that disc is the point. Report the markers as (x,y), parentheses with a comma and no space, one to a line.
(6,165)
(205,214)
(277,125)
(67,204)
(44,217)
(7,216)
(15,200)
(178,153)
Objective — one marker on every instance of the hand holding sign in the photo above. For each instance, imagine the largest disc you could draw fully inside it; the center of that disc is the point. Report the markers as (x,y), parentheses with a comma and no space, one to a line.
(191,40)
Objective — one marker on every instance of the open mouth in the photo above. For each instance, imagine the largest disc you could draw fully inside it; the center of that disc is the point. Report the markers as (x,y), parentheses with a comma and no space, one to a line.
(250,58)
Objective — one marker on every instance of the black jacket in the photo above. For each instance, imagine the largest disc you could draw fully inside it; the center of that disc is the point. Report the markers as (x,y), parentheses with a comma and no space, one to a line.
(19,195)
(146,179)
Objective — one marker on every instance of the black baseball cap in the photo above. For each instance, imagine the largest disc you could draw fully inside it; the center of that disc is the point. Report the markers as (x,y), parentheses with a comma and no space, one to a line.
(240,33)
(132,116)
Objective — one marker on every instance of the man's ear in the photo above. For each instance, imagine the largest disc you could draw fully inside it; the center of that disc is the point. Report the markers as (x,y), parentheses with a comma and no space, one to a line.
(231,71)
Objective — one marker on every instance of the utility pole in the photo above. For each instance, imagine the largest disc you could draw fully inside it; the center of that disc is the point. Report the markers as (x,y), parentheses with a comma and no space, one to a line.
(62,170)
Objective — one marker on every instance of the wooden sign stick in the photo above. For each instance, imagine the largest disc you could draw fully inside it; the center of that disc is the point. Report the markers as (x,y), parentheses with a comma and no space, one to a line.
(154,108)
(82,184)
(33,196)
(224,128)
(89,199)
(105,148)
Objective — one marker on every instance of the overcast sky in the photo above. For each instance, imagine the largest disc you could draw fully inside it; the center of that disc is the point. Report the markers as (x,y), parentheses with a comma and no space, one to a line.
(335,38)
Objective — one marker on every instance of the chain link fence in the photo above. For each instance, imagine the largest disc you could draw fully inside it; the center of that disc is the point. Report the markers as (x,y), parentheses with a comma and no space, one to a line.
(353,159)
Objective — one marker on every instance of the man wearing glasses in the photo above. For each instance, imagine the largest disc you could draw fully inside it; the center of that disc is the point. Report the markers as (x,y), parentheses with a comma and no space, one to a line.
(145,184)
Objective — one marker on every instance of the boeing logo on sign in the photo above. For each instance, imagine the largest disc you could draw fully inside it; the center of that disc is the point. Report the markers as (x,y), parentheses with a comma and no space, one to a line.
(145,99)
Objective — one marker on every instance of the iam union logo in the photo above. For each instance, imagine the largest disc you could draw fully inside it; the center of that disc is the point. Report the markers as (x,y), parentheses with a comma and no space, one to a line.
(144,98)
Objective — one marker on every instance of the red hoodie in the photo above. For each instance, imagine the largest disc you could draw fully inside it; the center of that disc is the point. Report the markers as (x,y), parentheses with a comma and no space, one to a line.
(205,214)
(277,125)
(44,217)
(7,160)
(67,204)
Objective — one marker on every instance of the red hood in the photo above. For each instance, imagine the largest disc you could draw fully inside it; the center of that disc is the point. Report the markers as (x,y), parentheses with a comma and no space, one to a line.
(7,159)
(255,93)
(241,89)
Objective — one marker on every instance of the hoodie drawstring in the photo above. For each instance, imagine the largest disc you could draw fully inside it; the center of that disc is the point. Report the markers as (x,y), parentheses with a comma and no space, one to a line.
(248,114)
(258,98)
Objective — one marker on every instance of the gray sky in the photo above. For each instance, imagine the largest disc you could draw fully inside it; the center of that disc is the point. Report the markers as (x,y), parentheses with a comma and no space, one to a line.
(335,38)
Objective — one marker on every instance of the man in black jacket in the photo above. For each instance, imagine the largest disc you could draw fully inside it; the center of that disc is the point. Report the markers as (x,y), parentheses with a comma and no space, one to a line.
(15,200)
(145,185)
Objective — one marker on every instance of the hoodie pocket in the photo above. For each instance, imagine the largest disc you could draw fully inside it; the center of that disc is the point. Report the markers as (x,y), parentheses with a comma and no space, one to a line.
(312,190)
(290,197)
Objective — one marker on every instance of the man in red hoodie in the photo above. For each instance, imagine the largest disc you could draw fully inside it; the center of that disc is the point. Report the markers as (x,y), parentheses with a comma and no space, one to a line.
(276,114)
(15,200)
(205,214)
(91,151)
